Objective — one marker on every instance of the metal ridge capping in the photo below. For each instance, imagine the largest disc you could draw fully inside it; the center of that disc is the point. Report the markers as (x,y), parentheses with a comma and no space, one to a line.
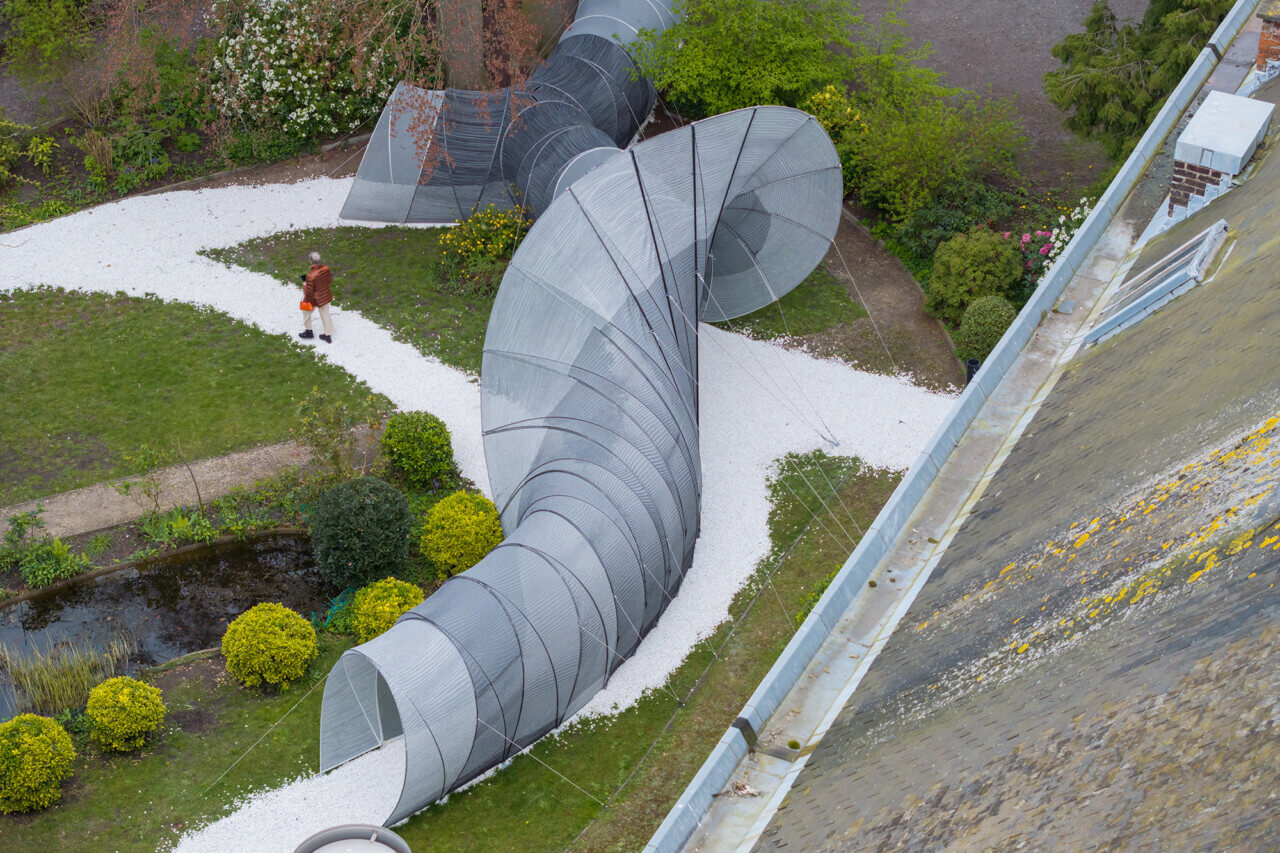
(891,522)
(589,401)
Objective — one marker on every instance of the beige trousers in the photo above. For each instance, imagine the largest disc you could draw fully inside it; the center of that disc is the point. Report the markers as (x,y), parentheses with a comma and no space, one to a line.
(324,319)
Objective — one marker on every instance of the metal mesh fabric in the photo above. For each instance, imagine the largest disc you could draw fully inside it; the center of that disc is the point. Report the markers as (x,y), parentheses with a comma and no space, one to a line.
(439,156)
(589,408)
(589,379)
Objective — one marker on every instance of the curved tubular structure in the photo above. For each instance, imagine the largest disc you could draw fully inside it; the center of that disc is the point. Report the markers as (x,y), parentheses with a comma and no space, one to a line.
(438,156)
(590,411)
(589,390)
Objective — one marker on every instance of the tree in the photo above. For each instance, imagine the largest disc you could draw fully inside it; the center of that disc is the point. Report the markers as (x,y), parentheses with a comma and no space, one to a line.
(45,39)
(729,54)
(1116,75)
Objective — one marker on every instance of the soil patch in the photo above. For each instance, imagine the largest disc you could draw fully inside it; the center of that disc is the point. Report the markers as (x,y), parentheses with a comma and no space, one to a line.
(1003,49)
(41,467)
(898,336)
(194,720)
(339,162)
(206,673)
(203,676)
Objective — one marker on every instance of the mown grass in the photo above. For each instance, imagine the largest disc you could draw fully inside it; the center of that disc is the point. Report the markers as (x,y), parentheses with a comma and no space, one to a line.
(817,304)
(88,379)
(529,807)
(136,803)
(392,276)
(148,799)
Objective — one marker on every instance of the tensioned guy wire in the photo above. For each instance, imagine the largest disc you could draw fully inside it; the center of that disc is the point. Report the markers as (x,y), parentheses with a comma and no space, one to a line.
(589,384)
(706,670)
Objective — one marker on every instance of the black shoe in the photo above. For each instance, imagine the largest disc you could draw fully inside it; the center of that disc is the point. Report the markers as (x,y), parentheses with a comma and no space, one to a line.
(307,334)
(326,339)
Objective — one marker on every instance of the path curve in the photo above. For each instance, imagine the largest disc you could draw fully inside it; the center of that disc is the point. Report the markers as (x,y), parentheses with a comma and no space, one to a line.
(758,401)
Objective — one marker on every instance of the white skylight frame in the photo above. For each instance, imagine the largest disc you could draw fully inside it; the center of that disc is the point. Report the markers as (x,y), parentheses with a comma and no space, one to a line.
(1160,283)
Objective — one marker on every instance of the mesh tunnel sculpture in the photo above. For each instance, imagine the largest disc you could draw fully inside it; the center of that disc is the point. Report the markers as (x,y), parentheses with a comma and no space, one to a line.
(437,156)
(590,415)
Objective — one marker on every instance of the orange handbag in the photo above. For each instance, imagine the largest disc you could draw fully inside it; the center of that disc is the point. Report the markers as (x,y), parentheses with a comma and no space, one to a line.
(305,306)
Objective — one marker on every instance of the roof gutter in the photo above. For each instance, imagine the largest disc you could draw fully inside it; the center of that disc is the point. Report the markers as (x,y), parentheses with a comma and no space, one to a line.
(740,737)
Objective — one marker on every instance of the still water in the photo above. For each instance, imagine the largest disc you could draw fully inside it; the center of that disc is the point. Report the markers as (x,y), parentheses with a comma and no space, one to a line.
(171,606)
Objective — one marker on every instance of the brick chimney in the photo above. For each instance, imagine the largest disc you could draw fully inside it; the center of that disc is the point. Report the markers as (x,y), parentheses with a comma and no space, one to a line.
(1269,42)
(1216,146)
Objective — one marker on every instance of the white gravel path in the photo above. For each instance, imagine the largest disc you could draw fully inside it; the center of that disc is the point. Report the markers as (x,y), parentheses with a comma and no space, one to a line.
(758,402)
(149,245)
(364,790)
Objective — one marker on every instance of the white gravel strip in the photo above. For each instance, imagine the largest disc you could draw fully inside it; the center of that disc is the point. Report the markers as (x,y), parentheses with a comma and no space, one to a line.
(751,413)
(363,790)
(758,402)
(149,245)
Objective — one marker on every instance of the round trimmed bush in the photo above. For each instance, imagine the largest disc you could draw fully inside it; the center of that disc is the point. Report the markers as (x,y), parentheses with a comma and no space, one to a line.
(376,607)
(360,531)
(418,447)
(459,531)
(122,712)
(984,322)
(968,267)
(35,757)
(269,644)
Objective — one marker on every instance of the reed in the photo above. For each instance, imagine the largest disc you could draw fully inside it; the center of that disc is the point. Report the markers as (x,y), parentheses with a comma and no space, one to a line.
(60,676)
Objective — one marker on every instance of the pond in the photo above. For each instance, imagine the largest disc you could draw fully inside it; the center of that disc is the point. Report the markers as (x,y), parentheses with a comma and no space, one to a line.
(169,607)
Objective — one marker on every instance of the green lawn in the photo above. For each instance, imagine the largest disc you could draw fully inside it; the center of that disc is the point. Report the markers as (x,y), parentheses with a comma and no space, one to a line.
(390,275)
(87,379)
(817,304)
(148,799)
(393,277)
(135,803)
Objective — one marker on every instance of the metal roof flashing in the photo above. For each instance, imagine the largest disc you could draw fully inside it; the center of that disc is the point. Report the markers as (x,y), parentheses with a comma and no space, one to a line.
(1224,132)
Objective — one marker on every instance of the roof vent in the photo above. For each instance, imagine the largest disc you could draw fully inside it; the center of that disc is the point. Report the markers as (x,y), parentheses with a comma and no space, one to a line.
(1217,144)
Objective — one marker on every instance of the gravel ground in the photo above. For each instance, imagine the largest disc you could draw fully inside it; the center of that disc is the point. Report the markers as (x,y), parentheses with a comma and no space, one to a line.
(1003,48)
(285,817)
(758,402)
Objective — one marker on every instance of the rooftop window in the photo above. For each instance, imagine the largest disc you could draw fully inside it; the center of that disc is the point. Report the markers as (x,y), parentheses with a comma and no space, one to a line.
(1163,281)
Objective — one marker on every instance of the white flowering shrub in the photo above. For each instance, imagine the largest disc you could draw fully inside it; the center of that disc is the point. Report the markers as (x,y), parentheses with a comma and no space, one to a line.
(307,67)
(1041,248)
(1068,224)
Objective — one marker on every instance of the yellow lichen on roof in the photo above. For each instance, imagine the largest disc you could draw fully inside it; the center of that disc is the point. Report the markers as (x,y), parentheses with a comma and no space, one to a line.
(1143,565)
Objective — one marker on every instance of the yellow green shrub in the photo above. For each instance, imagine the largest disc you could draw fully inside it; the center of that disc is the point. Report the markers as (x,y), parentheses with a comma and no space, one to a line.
(376,607)
(35,757)
(476,250)
(122,711)
(269,644)
(459,531)
(417,445)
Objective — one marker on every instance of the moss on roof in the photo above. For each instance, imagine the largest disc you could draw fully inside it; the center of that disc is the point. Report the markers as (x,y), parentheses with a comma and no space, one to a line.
(1252,210)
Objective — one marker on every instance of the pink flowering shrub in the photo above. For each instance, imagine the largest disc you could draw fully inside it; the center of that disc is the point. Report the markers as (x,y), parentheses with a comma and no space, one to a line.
(1037,248)
(1041,248)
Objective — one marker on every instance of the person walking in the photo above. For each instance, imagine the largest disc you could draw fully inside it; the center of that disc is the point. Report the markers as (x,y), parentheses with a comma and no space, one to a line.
(316,296)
